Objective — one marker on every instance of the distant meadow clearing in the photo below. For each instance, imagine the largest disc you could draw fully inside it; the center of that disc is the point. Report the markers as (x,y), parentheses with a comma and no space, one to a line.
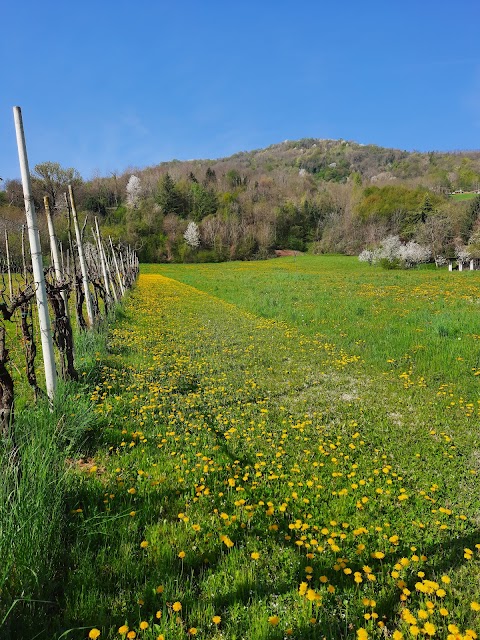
(281,449)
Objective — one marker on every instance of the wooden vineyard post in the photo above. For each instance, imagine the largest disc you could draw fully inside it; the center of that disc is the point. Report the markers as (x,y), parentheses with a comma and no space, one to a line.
(81,257)
(54,249)
(37,261)
(115,261)
(98,239)
(9,268)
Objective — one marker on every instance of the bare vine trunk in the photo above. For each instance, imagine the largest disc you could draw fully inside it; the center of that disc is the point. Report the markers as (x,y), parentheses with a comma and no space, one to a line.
(26,325)
(6,392)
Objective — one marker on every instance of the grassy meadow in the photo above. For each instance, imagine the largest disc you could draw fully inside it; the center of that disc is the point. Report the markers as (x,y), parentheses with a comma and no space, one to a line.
(277,449)
(458,197)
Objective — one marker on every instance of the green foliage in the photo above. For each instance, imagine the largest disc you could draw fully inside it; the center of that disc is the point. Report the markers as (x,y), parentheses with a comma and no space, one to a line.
(293,225)
(389,264)
(397,203)
(330,167)
(117,215)
(203,201)
(467,178)
(234,179)
(96,204)
(170,198)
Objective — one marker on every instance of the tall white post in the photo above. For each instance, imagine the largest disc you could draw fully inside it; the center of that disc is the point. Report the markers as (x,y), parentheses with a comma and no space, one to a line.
(37,261)
(81,256)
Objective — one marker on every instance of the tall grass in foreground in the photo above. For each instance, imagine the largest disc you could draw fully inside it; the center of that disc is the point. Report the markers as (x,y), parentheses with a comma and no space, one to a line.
(32,499)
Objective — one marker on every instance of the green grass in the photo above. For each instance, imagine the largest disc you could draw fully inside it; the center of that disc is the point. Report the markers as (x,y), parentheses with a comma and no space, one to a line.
(459,197)
(314,411)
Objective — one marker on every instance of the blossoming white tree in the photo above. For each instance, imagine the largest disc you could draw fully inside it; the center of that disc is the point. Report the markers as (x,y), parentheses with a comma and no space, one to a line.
(413,253)
(192,235)
(393,249)
(133,191)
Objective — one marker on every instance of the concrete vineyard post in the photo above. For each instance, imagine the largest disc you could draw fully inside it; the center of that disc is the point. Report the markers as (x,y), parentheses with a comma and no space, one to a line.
(37,261)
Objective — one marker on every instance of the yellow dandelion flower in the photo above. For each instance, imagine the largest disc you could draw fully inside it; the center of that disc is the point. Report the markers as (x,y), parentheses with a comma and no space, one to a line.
(144,625)
(362,634)
(475,606)
(192,631)
(123,630)
(144,544)
(255,555)
(177,606)
(274,620)
(429,629)
(94,633)
(216,619)
(158,615)
(397,635)
(131,635)
(182,554)
(159,589)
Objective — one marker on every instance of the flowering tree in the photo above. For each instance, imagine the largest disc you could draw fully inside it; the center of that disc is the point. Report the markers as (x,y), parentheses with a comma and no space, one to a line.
(192,235)
(393,250)
(413,253)
(367,256)
(462,253)
(133,191)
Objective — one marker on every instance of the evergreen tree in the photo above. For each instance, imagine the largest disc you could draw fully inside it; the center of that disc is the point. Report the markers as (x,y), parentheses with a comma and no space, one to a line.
(169,197)
(210,176)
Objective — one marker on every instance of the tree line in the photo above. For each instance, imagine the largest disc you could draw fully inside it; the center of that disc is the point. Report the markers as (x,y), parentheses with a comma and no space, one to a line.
(322,196)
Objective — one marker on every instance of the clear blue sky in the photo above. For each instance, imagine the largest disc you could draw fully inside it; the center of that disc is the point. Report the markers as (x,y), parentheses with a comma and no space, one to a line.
(105,85)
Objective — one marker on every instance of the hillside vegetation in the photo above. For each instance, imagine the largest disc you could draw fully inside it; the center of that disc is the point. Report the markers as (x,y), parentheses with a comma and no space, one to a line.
(320,195)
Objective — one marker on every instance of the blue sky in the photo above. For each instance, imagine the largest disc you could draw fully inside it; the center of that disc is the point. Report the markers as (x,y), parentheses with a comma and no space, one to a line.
(106,85)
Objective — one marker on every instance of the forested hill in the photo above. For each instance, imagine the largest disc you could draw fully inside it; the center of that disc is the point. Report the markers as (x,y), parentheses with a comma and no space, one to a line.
(321,195)
(337,160)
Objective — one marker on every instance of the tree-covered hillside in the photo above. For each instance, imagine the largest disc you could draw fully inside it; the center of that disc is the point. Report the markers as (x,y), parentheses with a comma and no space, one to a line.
(322,195)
